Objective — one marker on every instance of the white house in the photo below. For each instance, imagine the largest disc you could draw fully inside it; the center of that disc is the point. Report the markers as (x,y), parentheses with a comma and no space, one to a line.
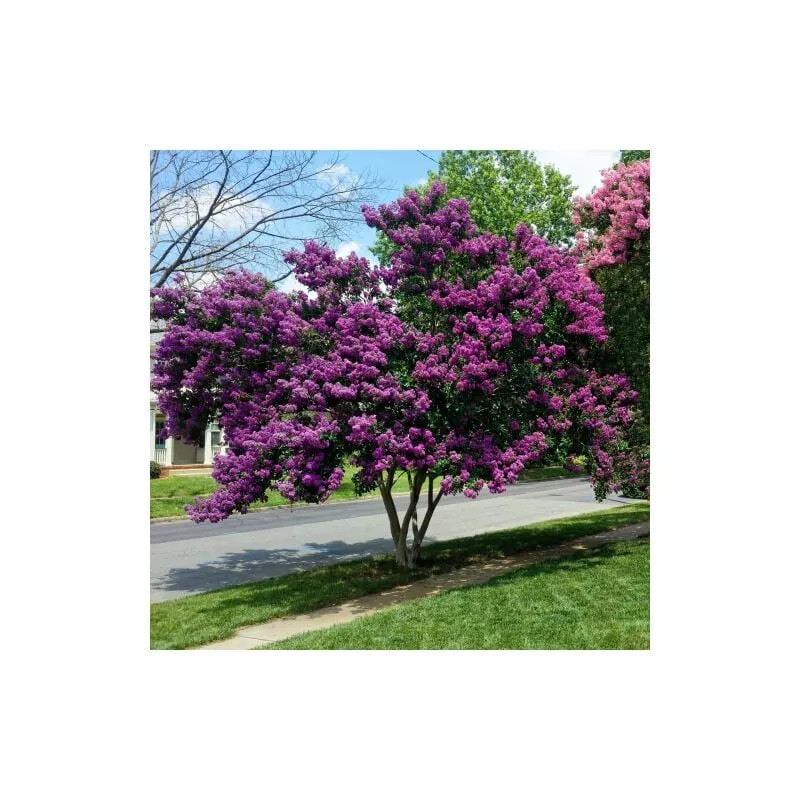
(173,454)
(176,455)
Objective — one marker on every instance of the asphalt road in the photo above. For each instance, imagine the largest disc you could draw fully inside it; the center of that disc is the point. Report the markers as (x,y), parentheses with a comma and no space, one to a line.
(187,557)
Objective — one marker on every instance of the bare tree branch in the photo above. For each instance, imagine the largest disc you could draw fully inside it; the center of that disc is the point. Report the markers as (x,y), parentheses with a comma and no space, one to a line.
(215,210)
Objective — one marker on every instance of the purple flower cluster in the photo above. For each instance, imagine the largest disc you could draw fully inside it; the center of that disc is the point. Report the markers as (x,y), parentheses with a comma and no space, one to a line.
(465,358)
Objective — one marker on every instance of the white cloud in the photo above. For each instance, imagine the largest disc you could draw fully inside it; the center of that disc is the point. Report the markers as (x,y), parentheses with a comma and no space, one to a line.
(290,284)
(340,178)
(582,165)
(345,249)
(334,173)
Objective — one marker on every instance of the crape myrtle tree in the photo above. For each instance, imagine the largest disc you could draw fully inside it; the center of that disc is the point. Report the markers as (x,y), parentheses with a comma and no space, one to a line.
(465,359)
(613,244)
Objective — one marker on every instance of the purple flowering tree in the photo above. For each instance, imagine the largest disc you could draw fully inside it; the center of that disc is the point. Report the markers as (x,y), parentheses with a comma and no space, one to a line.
(410,373)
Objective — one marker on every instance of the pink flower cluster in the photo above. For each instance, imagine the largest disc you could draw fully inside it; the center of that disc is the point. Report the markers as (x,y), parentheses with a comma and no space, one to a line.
(617,215)
(465,358)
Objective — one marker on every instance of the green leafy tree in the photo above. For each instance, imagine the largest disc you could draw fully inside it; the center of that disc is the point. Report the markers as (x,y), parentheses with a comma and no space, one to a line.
(629,156)
(504,188)
(627,311)
(626,290)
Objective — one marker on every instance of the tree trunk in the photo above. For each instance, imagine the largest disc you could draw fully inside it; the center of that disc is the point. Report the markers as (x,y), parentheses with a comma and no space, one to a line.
(416,547)
(385,487)
(399,529)
(401,554)
(419,533)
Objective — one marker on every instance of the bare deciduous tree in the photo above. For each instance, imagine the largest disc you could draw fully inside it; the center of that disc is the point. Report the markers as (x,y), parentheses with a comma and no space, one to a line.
(211,210)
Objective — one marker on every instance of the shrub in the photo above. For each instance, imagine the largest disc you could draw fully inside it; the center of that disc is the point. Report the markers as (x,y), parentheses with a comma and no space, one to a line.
(155,470)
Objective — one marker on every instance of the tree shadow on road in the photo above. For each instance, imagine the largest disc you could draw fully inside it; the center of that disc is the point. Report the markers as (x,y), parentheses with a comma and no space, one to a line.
(255,565)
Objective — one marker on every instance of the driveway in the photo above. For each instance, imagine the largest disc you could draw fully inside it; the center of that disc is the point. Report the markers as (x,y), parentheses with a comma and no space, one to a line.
(187,557)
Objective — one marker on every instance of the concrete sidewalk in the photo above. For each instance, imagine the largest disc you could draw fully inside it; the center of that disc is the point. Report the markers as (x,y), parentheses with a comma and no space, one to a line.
(256,635)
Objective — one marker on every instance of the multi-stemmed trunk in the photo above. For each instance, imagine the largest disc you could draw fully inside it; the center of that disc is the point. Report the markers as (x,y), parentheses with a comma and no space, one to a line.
(406,556)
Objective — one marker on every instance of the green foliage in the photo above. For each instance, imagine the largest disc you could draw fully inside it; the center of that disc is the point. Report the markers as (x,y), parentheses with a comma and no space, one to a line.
(629,156)
(504,188)
(627,312)
(155,470)
(627,307)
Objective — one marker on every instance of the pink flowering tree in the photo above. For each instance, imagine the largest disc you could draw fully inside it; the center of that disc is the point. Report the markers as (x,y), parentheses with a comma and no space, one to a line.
(613,245)
(615,219)
(465,360)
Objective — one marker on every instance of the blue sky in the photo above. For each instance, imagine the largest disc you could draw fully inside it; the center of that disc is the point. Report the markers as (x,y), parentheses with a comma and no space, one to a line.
(400,168)
(396,168)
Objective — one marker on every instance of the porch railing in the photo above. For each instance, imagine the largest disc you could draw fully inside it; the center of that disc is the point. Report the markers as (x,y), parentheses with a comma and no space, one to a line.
(161,455)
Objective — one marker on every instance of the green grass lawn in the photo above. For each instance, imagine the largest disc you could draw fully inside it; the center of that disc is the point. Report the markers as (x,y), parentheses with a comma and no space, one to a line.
(599,600)
(198,619)
(168,496)
(546,474)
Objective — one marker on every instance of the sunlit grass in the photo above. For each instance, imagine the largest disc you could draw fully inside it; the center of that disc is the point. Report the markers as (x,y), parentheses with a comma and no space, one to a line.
(599,600)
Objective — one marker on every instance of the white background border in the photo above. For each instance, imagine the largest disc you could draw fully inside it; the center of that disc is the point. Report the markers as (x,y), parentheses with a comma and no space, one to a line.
(91,711)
